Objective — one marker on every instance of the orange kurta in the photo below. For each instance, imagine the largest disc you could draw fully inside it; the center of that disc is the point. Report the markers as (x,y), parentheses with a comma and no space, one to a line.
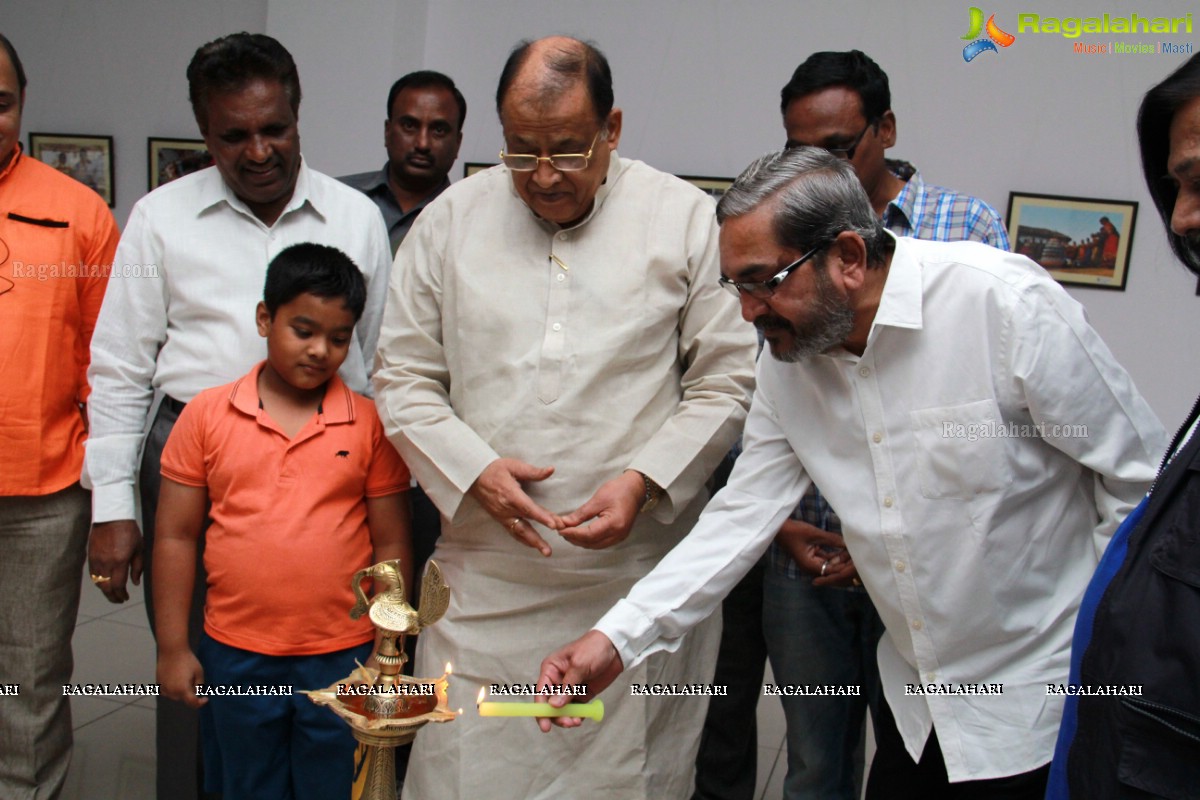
(57,240)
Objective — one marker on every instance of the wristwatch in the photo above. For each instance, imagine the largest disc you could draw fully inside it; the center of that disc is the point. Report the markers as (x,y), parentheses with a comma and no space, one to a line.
(652,495)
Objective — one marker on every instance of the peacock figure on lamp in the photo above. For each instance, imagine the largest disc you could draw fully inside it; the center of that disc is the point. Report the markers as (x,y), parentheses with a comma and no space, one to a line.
(396,620)
(384,708)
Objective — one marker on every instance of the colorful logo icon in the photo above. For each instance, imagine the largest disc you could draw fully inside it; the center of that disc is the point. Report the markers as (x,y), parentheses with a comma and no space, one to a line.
(995,36)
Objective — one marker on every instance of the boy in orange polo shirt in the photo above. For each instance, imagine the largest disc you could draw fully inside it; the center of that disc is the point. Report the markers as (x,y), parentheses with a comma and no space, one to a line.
(305,490)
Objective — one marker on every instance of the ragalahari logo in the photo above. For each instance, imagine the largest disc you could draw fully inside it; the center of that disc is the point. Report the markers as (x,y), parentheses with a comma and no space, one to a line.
(995,36)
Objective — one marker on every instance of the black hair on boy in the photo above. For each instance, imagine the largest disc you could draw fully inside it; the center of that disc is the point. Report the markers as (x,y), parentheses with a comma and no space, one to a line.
(315,269)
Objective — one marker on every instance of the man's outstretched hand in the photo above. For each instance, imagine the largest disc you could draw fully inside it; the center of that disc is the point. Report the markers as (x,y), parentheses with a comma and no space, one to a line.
(592,660)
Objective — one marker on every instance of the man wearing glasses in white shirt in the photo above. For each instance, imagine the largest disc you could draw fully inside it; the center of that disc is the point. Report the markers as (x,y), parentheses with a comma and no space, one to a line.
(974,432)
(806,606)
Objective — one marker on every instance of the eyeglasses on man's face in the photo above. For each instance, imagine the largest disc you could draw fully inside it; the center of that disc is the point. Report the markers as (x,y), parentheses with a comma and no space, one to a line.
(845,153)
(761,290)
(563,162)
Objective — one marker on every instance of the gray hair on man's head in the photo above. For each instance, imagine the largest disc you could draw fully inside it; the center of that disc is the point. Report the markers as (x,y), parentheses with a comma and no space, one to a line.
(816,195)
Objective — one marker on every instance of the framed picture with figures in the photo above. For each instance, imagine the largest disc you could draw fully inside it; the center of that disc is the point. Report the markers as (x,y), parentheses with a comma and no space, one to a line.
(1080,241)
(87,159)
(168,159)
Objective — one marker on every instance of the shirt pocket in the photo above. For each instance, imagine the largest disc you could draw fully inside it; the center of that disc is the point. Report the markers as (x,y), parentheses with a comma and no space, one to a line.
(960,450)
(1159,749)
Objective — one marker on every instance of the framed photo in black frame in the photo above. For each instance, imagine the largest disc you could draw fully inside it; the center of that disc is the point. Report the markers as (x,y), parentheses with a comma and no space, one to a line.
(168,159)
(1081,241)
(88,159)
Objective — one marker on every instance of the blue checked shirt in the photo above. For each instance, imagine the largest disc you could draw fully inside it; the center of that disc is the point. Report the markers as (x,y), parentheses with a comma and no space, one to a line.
(922,211)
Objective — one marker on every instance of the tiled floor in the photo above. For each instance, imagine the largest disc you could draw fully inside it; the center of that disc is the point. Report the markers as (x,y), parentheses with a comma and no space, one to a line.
(772,760)
(114,736)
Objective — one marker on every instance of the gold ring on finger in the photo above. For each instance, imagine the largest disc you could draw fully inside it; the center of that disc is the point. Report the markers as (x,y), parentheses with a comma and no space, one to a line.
(97,579)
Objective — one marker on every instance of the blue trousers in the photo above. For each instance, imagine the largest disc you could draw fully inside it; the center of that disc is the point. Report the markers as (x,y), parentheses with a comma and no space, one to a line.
(275,747)
(822,636)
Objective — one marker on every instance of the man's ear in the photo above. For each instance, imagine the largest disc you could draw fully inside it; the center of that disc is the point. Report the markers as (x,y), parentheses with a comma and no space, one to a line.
(887,129)
(614,128)
(850,252)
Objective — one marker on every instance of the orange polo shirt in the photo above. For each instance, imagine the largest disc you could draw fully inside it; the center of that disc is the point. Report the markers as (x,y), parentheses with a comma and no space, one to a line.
(57,240)
(289,516)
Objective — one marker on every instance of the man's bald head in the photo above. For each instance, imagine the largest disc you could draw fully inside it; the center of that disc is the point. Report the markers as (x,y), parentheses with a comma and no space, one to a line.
(544,70)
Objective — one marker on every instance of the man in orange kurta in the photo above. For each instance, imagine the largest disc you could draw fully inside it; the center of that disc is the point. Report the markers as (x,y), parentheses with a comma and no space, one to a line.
(57,240)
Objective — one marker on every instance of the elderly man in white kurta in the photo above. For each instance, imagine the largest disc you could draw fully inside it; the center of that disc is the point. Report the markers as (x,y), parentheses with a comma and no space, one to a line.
(561,371)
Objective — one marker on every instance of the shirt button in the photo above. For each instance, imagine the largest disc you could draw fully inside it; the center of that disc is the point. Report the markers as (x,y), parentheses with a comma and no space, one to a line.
(564,237)
(899,566)
(557,326)
(877,438)
(864,371)
(561,277)
(916,625)
(931,677)
(887,502)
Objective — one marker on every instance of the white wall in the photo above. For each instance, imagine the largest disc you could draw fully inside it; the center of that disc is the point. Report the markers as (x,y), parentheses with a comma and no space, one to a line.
(117,69)
(348,56)
(699,83)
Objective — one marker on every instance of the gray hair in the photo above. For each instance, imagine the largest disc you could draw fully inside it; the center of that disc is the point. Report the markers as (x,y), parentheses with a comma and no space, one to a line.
(819,196)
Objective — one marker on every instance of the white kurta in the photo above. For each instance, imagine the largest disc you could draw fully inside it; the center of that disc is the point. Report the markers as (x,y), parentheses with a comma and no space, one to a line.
(625,355)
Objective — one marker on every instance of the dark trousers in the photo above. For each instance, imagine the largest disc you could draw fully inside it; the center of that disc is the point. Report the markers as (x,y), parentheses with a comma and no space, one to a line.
(276,746)
(177,728)
(728,757)
(894,775)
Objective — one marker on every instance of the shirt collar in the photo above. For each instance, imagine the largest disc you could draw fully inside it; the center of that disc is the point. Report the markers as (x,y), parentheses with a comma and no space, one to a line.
(900,304)
(376,180)
(337,407)
(12,163)
(615,167)
(379,180)
(215,191)
(910,199)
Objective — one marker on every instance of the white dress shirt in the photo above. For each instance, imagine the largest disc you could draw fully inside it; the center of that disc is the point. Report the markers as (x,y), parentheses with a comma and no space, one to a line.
(974,531)
(192,326)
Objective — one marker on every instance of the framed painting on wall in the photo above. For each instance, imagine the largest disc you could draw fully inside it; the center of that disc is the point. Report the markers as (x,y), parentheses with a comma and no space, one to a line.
(471,167)
(1080,241)
(169,159)
(714,187)
(87,159)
